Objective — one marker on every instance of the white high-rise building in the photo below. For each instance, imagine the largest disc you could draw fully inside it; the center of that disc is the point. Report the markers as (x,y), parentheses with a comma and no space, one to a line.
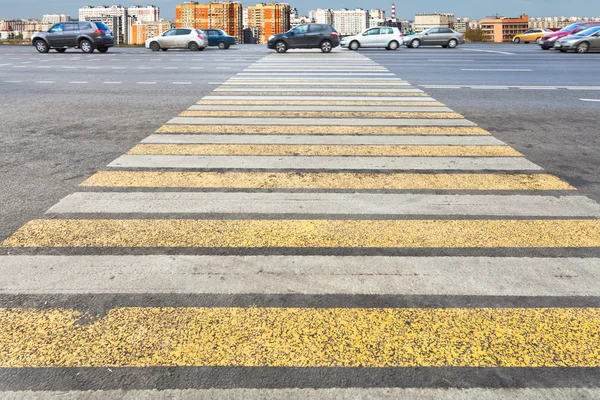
(144,13)
(115,17)
(321,16)
(51,19)
(350,22)
(376,18)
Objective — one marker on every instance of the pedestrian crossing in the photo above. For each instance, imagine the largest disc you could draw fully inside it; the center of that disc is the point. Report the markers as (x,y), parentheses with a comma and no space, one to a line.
(315,222)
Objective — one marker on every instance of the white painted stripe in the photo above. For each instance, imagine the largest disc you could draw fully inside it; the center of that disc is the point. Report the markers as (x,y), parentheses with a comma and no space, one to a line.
(332,69)
(78,82)
(313,89)
(591,100)
(350,79)
(182,83)
(498,69)
(112,83)
(444,276)
(489,51)
(12,81)
(319,121)
(422,140)
(319,98)
(314,73)
(329,163)
(217,107)
(327,204)
(313,84)
(146,83)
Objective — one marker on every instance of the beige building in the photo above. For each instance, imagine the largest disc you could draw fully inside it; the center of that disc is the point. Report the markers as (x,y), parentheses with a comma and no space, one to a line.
(321,16)
(269,19)
(426,21)
(502,30)
(350,22)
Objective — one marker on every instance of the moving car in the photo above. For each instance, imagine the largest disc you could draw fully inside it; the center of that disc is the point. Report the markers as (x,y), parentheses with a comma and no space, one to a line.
(382,36)
(444,37)
(217,37)
(308,36)
(547,42)
(581,42)
(532,35)
(180,38)
(88,36)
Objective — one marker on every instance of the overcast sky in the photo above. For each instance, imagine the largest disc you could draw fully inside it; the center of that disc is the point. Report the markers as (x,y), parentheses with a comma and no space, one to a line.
(405,9)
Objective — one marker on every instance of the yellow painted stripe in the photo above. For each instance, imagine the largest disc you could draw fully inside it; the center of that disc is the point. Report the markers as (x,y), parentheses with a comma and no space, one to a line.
(324,94)
(324,114)
(308,233)
(320,103)
(301,337)
(323,130)
(325,150)
(358,181)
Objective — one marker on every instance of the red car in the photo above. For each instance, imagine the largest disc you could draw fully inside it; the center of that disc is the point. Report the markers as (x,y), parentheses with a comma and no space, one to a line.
(547,42)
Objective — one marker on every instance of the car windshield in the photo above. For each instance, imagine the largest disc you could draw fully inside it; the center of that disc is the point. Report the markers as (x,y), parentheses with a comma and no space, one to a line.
(589,31)
(569,28)
(102,26)
(221,33)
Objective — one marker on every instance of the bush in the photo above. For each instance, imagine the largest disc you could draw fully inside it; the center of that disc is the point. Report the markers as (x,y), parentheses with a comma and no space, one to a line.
(474,35)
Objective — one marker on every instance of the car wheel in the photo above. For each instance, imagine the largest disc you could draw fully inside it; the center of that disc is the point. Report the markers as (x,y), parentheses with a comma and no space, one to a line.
(164,49)
(354,45)
(415,44)
(517,40)
(102,49)
(538,40)
(41,46)
(281,47)
(193,46)
(61,50)
(227,46)
(326,46)
(86,46)
(201,48)
(222,45)
(393,45)
(452,43)
(583,47)
(154,46)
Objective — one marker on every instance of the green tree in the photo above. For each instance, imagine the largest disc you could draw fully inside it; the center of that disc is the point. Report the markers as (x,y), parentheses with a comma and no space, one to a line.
(474,35)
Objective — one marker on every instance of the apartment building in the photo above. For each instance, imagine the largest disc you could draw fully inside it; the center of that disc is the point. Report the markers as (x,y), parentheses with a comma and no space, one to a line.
(350,22)
(321,16)
(227,15)
(144,13)
(51,19)
(139,32)
(376,18)
(461,24)
(297,19)
(426,21)
(557,22)
(500,29)
(269,19)
(115,17)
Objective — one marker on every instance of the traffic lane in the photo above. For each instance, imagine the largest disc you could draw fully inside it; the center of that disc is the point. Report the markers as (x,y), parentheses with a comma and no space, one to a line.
(54,136)
(560,135)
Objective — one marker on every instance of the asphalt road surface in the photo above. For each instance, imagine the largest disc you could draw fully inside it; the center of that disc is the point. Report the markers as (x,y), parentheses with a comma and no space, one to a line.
(242,224)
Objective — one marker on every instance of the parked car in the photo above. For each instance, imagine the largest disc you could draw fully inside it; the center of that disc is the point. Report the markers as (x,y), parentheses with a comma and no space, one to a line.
(389,38)
(581,42)
(309,36)
(217,37)
(180,38)
(547,42)
(532,35)
(444,37)
(88,36)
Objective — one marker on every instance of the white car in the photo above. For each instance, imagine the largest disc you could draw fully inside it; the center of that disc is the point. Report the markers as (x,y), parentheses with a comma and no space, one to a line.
(180,38)
(382,36)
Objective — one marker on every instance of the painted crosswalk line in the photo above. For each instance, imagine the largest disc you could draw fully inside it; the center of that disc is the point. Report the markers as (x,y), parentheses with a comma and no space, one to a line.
(322,180)
(323,114)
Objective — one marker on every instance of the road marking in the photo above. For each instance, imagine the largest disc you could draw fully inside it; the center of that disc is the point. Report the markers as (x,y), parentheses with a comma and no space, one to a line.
(591,100)
(399,91)
(170,68)
(146,83)
(323,114)
(301,337)
(19,66)
(370,104)
(78,82)
(326,162)
(4,65)
(326,204)
(112,83)
(498,69)
(182,83)
(312,84)
(321,97)
(12,81)
(323,130)
(327,140)
(371,122)
(324,150)
(449,59)
(274,108)
(196,67)
(315,73)
(489,51)
(308,234)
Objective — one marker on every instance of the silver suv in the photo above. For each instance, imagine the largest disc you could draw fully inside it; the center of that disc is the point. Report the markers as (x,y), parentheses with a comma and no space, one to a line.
(88,36)
(445,37)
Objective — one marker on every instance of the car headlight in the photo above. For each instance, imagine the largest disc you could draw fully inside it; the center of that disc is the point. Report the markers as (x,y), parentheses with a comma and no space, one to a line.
(271,37)
(553,39)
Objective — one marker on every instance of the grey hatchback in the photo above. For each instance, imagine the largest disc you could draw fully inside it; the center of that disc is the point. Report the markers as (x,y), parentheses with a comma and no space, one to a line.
(444,37)
(88,36)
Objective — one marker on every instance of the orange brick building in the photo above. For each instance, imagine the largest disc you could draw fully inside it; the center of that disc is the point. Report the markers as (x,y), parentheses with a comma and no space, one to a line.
(500,29)
(269,19)
(227,16)
(139,32)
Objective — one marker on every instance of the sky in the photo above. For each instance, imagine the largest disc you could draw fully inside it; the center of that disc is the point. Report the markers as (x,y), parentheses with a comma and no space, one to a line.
(404,9)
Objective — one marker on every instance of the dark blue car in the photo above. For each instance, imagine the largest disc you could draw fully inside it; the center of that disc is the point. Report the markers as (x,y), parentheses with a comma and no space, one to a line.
(217,37)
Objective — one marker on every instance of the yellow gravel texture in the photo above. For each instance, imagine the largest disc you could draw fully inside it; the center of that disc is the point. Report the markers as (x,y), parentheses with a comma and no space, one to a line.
(319,103)
(324,114)
(308,233)
(288,180)
(326,150)
(325,130)
(324,94)
(301,337)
